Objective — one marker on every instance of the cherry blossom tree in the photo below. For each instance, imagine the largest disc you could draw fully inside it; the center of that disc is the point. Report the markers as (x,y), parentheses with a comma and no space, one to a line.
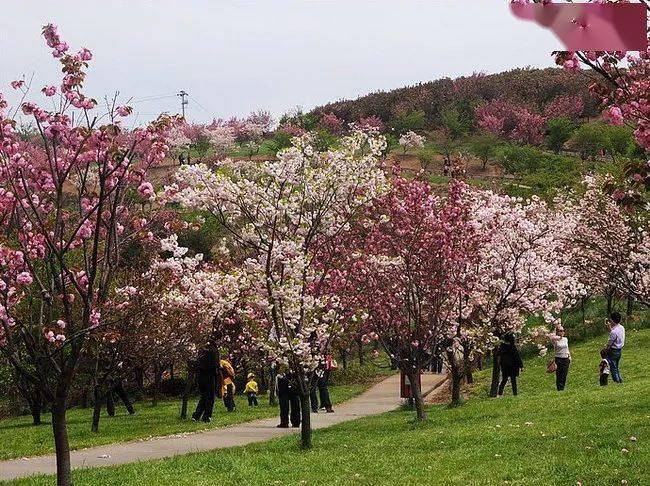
(411,140)
(608,245)
(280,213)
(567,106)
(522,269)
(332,123)
(402,270)
(511,121)
(68,205)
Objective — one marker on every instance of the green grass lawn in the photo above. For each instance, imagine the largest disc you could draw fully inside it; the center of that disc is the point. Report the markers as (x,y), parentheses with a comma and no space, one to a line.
(540,437)
(19,438)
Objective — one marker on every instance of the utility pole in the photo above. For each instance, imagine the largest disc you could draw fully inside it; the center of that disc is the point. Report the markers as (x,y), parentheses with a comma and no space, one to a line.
(184,101)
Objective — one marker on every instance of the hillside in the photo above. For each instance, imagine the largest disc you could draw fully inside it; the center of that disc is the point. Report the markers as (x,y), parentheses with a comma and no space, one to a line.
(533,86)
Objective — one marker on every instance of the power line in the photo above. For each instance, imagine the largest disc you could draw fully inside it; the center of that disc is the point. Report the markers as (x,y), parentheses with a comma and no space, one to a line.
(199,104)
(157,98)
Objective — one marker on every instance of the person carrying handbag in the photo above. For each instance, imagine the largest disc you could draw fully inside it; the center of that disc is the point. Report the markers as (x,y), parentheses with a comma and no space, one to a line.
(562,357)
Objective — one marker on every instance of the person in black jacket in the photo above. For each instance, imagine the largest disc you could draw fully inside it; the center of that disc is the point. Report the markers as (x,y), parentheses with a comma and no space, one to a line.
(511,363)
(208,379)
(288,399)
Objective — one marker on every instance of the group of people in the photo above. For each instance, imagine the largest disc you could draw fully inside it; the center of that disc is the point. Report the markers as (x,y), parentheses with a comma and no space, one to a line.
(215,378)
(289,395)
(511,363)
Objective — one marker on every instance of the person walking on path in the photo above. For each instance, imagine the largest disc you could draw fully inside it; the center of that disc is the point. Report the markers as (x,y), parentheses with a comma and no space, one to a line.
(228,386)
(323,383)
(251,390)
(615,345)
(208,380)
(562,357)
(511,363)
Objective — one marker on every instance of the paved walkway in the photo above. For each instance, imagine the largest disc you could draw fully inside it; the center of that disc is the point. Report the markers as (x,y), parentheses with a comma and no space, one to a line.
(380,398)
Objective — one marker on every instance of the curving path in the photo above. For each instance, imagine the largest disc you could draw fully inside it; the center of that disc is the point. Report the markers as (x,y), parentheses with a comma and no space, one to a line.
(380,398)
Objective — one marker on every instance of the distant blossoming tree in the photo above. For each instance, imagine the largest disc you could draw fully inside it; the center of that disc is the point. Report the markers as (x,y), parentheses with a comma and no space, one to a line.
(411,140)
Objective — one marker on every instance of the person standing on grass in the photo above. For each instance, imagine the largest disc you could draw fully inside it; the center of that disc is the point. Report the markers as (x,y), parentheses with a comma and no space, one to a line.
(228,384)
(208,380)
(251,390)
(615,345)
(511,363)
(562,356)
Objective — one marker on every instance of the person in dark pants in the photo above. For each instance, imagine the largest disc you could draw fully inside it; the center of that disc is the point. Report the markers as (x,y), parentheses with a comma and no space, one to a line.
(562,357)
(615,345)
(288,399)
(323,391)
(208,382)
(118,389)
(313,396)
(511,363)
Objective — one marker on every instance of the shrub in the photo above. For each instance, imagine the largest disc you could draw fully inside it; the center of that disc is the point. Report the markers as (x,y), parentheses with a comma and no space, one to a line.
(590,139)
(484,147)
(560,131)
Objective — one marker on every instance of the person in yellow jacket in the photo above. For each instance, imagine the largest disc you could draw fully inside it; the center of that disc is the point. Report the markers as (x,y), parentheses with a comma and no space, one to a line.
(251,390)
(228,385)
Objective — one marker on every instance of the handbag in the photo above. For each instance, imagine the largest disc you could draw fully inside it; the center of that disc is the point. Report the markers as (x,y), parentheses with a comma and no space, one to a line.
(551,367)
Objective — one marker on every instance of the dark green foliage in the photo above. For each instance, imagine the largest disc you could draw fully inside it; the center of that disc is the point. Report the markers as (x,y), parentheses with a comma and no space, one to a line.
(537,172)
(203,240)
(408,120)
(560,131)
(590,139)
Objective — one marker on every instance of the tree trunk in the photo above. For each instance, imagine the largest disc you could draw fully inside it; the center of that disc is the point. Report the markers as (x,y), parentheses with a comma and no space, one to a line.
(272,398)
(189,384)
(496,371)
(36,406)
(84,398)
(97,408)
(61,444)
(344,358)
(416,395)
(139,378)
(610,298)
(263,383)
(630,306)
(456,380)
(157,378)
(468,365)
(305,421)
(360,348)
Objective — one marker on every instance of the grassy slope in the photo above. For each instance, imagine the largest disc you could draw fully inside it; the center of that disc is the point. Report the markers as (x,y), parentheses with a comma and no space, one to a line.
(18,438)
(572,436)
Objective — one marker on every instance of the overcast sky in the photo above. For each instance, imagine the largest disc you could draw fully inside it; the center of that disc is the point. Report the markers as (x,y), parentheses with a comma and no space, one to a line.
(234,57)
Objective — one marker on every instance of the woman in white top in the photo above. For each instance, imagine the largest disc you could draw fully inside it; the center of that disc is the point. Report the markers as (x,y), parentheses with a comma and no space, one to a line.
(562,356)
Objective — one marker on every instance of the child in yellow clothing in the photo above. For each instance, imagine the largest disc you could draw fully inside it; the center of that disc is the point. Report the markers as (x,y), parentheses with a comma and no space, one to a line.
(228,385)
(251,390)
